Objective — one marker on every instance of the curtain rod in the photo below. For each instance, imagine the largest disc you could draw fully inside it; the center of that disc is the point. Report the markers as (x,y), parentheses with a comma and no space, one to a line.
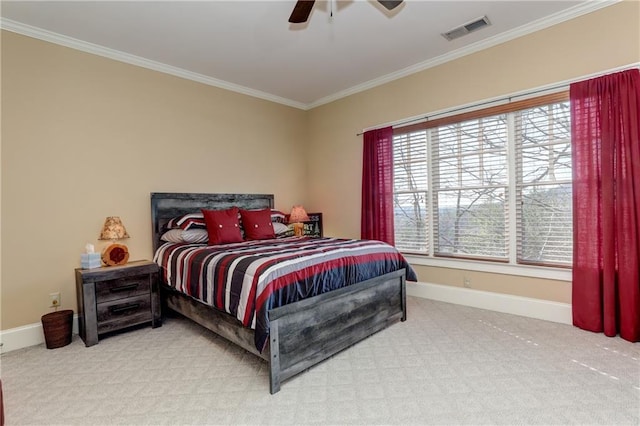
(472,106)
(552,88)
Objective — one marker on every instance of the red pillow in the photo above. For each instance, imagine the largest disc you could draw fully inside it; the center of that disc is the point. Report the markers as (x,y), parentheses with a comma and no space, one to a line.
(257,224)
(222,226)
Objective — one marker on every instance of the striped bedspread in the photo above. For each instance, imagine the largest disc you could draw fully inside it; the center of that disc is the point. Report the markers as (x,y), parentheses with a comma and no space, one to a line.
(248,279)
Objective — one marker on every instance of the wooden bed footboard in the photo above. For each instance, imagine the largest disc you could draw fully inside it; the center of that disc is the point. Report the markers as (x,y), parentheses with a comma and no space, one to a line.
(304,333)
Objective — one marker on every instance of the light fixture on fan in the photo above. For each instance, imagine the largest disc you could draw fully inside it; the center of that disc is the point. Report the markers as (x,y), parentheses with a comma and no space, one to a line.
(302,9)
(297,216)
(112,230)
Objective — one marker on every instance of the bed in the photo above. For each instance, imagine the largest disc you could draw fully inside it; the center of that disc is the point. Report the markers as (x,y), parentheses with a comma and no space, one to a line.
(299,334)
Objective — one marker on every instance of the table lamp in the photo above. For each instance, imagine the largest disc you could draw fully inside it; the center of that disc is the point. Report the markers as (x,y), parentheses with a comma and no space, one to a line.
(297,216)
(114,254)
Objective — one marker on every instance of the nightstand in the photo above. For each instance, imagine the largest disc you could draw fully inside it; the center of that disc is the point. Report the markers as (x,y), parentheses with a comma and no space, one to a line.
(313,226)
(115,297)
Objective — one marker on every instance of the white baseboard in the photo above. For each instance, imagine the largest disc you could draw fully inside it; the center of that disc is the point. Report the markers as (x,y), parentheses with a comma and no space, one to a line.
(32,334)
(516,305)
(25,336)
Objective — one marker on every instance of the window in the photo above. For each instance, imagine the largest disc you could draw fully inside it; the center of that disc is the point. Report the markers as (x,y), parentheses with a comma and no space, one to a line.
(491,185)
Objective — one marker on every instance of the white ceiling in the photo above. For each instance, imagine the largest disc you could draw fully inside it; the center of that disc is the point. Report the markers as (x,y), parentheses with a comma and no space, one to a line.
(249,46)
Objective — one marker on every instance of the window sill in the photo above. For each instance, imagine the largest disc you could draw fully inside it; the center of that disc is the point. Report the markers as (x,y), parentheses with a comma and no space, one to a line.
(550,273)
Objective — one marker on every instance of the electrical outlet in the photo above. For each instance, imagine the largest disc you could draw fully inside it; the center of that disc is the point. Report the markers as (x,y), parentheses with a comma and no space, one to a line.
(466,281)
(55,299)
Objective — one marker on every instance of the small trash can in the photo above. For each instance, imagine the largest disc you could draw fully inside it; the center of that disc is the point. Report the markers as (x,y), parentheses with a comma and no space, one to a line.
(57,328)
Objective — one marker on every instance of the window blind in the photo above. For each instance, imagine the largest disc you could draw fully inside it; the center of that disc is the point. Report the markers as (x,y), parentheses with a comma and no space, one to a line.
(488,186)
(411,191)
(543,184)
(470,187)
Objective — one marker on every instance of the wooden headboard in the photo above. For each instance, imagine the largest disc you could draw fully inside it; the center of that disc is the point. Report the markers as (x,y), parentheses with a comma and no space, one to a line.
(167,205)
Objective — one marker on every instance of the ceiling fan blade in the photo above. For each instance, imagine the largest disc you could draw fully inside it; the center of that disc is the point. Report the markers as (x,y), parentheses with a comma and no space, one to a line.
(301,11)
(390,4)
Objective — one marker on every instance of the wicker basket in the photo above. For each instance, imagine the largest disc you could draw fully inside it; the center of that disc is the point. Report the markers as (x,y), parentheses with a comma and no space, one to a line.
(57,328)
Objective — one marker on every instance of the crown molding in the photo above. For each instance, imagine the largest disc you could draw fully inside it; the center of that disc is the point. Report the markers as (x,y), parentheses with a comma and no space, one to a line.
(529,28)
(73,43)
(49,36)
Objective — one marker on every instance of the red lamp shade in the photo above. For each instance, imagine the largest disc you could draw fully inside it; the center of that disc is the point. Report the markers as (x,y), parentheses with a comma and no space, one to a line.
(298,214)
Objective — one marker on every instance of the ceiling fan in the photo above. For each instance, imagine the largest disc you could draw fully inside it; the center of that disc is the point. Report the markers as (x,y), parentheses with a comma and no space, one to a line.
(302,9)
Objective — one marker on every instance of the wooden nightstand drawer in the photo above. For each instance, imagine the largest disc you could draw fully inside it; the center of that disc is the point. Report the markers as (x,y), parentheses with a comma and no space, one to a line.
(123,312)
(122,288)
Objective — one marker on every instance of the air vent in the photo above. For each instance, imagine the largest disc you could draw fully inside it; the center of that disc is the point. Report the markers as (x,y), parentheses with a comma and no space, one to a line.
(465,29)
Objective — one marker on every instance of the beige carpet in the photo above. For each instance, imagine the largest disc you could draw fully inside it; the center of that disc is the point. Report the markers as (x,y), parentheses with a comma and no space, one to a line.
(446,364)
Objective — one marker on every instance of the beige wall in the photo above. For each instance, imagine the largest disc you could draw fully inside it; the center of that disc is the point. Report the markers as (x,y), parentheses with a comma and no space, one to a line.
(84,137)
(593,43)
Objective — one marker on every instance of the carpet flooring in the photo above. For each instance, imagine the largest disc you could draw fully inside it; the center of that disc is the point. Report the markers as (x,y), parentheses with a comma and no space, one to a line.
(447,364)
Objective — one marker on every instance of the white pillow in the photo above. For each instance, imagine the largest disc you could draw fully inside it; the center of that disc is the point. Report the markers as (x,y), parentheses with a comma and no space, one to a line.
(186,236)
(279,228)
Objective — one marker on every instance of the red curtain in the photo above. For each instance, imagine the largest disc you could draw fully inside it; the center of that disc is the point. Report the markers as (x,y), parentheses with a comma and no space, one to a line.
(377,186)
(605,122)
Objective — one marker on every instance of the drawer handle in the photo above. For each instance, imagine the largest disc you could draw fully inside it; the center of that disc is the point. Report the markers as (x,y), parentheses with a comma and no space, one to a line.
(124,308)
(124,288)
